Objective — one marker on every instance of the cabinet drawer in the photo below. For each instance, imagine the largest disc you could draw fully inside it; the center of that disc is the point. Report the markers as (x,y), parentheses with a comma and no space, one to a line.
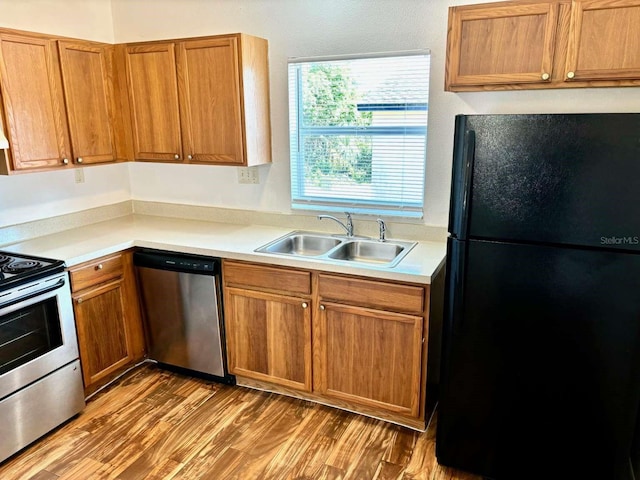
(96,272)
(371,293)
(269,278)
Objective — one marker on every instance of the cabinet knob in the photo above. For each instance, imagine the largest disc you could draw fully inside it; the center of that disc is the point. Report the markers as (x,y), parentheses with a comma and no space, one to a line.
(305,304)
(190,157)
(79,160)
(570,74)
(322,307)
(545,76)
(99,266)
(79,300)
(176,156)
(65,161)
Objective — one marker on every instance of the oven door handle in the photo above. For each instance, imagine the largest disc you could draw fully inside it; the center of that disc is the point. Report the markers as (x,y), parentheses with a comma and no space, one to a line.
(59,284)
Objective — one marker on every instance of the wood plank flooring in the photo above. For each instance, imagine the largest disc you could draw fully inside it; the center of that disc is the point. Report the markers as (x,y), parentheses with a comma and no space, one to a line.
(154,424)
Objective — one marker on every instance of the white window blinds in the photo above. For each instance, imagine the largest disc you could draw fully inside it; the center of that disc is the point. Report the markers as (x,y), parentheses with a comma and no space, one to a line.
(358,133)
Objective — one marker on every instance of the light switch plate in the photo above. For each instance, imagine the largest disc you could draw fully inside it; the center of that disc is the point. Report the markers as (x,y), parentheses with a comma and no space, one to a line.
(248,175)
(79,175)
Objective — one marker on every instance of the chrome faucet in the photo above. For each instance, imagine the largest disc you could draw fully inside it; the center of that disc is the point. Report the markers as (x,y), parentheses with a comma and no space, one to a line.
(348,227)
(383,230)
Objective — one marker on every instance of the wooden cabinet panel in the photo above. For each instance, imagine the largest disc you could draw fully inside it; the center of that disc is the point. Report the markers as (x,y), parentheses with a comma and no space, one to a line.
(269,337)
(33,102)
(501,44)
(267,278)
(153,95)
(369,357)
(96,272)
(371,293)
(108,317)
(209,85)
(88,88)
(102,331)
(604,40)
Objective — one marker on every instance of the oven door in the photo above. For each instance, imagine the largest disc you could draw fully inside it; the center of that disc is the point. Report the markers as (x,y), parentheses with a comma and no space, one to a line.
(37,332)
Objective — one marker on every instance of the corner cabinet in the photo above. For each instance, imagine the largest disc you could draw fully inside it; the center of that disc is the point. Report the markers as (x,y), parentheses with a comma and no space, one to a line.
(108,319)
(57,102)
(552,44)
(202,100)
(351,342)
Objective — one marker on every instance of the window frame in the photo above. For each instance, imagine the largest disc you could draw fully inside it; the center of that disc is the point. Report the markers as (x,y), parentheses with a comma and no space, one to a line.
(302,201)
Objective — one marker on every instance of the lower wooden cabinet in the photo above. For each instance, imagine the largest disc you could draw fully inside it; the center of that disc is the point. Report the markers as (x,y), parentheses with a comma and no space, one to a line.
(351,342)
(268,337)
(369,357)
(107,316)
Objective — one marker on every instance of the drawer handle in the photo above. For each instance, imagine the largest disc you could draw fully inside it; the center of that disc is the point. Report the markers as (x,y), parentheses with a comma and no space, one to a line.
(79,300)
(305,304)
(322,307)
(545,76)
(99,266)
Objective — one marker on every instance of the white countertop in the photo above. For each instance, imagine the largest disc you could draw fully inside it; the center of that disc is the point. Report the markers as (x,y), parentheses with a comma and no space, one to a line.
(224,240)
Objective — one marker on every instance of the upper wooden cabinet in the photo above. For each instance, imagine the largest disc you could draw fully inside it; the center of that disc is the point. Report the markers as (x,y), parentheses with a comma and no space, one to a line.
(202,100)
(57,99)
(88,90)
(604,40)
(153,97)
(551,44)
(33,102)
(499,44)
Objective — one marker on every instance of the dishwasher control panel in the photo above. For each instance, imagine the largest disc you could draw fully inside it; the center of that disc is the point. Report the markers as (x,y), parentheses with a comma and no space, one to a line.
(177,262)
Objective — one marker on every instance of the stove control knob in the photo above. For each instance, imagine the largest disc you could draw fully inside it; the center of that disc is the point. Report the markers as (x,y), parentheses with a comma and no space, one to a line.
(79,160)
(65,161)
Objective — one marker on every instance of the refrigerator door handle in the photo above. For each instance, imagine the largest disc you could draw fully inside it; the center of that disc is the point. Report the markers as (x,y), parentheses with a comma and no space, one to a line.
(468,157)
(464,153)
(456,270)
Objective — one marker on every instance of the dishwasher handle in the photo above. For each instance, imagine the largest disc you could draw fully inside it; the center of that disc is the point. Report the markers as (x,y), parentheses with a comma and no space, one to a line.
(177,262)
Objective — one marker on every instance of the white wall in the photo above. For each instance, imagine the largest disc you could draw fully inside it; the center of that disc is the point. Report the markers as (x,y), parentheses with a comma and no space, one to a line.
(293,28)
(39,195)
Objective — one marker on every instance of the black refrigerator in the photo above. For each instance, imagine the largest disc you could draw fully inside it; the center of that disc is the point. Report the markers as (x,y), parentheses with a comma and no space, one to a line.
(541,337)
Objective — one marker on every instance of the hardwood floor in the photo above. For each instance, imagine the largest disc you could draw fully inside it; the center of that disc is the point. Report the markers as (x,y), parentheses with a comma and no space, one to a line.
(159,425)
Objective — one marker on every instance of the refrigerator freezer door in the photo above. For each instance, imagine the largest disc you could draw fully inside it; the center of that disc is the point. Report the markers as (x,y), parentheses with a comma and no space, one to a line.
(558,179)
(542,365)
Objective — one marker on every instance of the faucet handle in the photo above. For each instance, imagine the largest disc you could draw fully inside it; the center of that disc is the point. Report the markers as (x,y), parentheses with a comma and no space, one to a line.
(383,230)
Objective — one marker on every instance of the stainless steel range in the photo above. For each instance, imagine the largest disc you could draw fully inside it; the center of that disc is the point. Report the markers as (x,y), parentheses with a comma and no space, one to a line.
(40,377)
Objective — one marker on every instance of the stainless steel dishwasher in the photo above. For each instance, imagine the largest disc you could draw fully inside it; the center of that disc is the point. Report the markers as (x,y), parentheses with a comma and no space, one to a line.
(182,309)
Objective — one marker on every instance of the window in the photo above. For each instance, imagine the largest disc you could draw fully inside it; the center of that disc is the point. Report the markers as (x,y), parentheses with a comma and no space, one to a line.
(358,133)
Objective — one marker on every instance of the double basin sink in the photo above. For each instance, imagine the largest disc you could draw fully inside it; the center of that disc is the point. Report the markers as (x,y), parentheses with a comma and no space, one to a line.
(339,249)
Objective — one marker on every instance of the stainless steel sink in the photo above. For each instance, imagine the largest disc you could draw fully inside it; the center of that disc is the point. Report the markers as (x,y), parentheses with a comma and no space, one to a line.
(368,251)
(304,244)
(339,249)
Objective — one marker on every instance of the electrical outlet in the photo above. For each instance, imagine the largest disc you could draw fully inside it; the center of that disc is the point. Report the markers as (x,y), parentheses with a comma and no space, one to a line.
(79,175)
(248,175)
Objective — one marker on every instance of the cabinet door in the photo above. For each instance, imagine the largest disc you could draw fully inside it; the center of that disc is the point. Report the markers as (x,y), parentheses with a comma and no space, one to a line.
(369,357)
(500,44)
(604,40)
(209,81)
(89,100)
(102,330)
(33,102)
(153,95)
(269,337)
